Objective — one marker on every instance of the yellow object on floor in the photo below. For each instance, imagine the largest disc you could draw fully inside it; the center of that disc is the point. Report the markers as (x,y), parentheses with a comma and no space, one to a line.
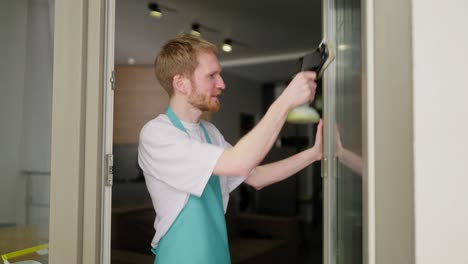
(40,249)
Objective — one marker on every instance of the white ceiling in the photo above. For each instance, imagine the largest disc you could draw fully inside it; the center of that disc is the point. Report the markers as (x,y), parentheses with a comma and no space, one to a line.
(275,33)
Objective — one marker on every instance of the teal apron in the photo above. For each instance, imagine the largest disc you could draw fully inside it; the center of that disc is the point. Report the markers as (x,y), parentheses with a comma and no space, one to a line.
(198,235)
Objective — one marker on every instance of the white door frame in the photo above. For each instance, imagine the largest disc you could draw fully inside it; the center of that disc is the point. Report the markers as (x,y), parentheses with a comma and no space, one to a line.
(328,163)
(109,84)
(76,151)
(368,137)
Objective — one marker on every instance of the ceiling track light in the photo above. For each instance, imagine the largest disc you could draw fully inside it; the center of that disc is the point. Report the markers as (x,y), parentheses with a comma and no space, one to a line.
(227,45)
(156,9)
(195,29)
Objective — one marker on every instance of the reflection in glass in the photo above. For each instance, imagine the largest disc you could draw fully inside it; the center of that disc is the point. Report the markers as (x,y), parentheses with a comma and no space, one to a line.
(346,122)
(26,110)
(349,123)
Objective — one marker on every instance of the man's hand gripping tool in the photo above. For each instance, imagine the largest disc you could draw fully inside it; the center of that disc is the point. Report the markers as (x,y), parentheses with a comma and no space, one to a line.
(318,60)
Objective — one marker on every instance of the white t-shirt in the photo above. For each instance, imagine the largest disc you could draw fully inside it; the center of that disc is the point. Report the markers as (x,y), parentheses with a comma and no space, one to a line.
(176,165)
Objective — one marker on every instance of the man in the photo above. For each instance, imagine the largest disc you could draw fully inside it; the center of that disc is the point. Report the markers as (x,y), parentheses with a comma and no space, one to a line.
(181,155)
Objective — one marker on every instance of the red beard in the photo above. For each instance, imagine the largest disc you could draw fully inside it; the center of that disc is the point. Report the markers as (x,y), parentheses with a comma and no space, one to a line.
(205,102)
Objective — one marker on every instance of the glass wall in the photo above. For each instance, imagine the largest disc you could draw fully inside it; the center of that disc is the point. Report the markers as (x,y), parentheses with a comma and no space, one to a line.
(344,116)
(26,29)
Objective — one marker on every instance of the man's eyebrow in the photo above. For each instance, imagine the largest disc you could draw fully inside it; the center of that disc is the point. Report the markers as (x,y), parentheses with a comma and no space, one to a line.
(214,72)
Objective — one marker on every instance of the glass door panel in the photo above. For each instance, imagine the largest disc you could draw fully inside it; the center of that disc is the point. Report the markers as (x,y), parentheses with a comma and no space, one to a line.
(26,29)
(344,135)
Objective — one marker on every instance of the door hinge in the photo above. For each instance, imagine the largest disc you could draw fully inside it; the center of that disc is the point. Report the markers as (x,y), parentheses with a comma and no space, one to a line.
(112,81)
(109,169)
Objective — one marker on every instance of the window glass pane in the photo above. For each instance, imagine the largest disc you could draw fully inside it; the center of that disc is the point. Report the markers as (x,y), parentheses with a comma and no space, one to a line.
(26,29)
(346,120)
(348,126)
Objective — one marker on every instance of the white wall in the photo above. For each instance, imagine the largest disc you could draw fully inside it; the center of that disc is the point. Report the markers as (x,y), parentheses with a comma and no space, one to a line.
(37,118)
(37,100)
(392,121)
(12,71)
(26,103)
(440,68)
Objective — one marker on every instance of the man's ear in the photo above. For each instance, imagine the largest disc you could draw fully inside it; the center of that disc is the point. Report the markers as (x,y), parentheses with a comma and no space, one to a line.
(181,84)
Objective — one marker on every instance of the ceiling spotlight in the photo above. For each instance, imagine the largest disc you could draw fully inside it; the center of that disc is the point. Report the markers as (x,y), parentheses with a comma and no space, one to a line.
(195,29)
(155,11)
(227,46)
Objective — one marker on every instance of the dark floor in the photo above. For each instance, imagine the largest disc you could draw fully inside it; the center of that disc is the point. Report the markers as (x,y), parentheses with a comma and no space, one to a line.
(310,251)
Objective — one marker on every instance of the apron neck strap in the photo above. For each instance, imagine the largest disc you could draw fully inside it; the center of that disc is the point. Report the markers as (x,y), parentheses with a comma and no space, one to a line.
(177,123)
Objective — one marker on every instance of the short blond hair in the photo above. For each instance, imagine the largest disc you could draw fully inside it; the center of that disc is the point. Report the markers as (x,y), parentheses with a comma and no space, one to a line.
(179,56)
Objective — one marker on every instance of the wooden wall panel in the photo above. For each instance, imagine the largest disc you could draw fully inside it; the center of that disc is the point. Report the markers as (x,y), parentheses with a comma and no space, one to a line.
(138,98)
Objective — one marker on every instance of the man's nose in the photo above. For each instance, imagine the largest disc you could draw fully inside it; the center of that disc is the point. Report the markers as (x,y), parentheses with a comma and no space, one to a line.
(220,84)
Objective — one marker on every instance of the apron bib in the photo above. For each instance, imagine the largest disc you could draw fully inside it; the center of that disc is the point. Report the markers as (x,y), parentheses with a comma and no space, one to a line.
(198,235)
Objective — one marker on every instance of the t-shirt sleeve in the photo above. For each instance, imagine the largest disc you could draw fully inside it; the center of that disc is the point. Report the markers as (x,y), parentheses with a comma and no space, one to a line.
(168,154)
